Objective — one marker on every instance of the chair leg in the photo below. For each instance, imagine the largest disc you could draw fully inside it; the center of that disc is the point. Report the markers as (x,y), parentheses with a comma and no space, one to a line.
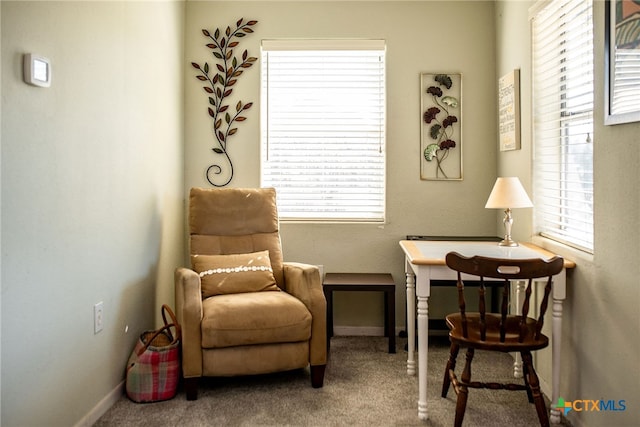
(451,365)
(463,392)
(534,384)
(191,388)
(525,376)
(317,375)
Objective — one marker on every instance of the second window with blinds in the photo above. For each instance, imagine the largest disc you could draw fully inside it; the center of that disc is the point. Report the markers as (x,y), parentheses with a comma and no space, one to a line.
(562,46)
(323,128)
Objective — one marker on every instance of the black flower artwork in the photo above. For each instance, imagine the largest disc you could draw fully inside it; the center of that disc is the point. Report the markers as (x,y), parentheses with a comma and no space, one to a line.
(441,121)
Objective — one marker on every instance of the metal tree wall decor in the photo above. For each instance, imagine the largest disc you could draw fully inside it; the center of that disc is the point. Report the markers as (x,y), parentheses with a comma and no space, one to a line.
(440,132)
(220,77)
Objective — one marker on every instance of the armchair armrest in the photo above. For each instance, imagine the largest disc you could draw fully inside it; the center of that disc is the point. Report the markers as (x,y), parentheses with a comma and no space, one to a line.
(303,282)
(189,314)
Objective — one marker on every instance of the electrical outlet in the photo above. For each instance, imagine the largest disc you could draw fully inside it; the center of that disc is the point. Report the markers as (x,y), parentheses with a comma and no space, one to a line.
(98,317)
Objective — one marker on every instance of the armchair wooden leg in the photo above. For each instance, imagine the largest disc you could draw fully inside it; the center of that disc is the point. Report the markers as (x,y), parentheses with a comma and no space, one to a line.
(191,388)
(317,375)
(451,365)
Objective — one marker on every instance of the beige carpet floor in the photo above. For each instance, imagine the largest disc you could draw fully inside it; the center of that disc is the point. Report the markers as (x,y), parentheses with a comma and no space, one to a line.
(364,386)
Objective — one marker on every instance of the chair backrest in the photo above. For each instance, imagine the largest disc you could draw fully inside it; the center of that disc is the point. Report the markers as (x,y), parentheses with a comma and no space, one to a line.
(236,221)
(480,267)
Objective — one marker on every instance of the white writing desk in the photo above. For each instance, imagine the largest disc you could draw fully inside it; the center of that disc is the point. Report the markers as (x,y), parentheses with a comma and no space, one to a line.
(425,261)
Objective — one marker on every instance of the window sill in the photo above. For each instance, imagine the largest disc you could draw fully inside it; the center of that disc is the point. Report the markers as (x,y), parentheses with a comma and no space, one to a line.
(566,251)
(332,222)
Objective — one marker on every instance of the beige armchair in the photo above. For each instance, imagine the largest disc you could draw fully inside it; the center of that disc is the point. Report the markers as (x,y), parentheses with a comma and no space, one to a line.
(244,311)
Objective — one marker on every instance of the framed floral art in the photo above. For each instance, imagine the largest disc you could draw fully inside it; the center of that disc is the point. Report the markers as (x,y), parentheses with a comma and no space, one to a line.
(440,129)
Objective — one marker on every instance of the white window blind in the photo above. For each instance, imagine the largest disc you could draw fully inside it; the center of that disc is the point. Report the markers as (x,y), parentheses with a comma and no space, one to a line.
(323,128)
(562,39)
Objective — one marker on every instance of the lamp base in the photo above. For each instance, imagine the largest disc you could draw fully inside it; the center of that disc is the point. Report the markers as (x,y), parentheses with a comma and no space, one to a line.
(508,222)
(508,242)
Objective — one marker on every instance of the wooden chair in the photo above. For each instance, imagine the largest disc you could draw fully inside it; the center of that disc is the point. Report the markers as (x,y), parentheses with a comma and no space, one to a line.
(498,331)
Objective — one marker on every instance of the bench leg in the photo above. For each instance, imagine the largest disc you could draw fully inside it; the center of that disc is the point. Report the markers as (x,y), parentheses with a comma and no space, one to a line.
(328,295)
(390,319)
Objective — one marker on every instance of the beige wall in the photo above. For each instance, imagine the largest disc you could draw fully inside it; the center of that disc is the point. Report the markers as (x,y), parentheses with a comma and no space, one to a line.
(92,200)
(0,221)
(421,37)
(93,183)
(601,319)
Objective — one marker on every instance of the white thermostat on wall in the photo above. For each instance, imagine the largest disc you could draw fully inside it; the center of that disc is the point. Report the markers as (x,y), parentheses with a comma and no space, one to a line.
(37,70)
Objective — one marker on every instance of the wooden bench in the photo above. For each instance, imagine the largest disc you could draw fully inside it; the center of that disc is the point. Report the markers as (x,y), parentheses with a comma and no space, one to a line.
(370,282)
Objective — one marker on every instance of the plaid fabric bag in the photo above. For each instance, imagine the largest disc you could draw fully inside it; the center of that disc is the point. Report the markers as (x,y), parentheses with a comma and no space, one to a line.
(153,369)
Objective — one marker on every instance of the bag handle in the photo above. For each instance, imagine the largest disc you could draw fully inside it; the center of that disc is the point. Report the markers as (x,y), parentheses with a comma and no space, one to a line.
(167,310)
(155,334)
(174,322)
(167,327)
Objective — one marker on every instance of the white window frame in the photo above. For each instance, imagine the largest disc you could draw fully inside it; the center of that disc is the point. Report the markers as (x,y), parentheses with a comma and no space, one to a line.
(337,171)
(622,69)
(562,92)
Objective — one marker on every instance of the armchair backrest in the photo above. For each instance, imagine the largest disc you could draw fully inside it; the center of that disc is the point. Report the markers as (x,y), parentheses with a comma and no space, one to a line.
(235,221)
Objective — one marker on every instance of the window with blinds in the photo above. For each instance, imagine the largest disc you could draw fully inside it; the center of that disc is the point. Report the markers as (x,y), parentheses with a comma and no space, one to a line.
(562,49)
(323,128)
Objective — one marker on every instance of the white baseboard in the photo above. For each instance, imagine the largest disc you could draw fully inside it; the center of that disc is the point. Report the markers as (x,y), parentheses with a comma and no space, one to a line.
(102,407)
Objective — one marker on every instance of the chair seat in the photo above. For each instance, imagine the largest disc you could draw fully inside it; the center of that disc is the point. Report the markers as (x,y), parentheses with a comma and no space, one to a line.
(229,320)
(492,341)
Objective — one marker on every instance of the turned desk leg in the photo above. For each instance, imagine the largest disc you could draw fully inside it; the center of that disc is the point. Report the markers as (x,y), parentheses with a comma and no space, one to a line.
(411,322)
(556,339)
(520,289)
(423,346)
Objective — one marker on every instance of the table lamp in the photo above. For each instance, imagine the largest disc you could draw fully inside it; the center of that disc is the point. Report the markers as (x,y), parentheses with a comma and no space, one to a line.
(508,193)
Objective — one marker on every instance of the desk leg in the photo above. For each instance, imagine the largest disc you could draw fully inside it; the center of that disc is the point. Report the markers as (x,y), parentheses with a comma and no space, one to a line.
(411,322)
(520,289)
(555,355)
(559,295)
(423,345)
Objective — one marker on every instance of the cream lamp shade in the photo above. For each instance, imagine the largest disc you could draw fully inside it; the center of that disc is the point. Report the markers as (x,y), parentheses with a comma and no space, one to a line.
(508,193)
